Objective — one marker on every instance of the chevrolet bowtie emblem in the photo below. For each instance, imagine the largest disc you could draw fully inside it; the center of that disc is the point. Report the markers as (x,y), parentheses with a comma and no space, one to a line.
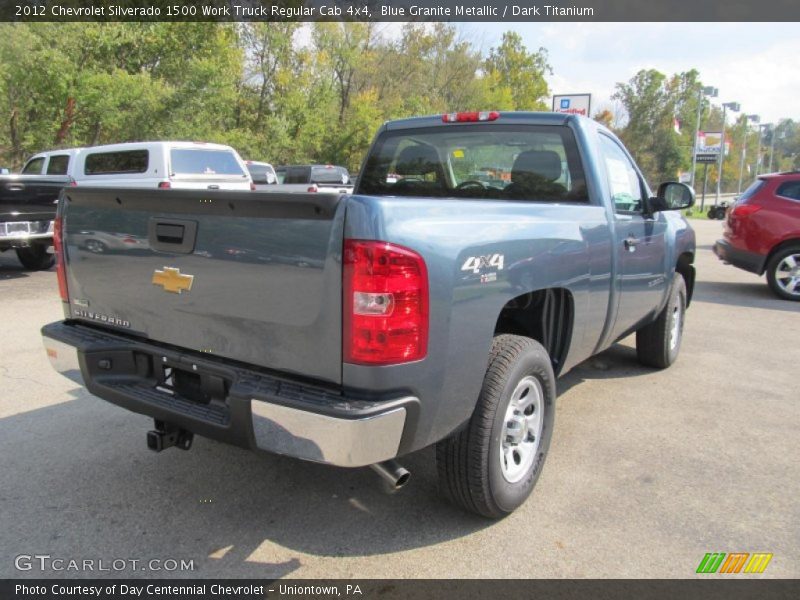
(172,280)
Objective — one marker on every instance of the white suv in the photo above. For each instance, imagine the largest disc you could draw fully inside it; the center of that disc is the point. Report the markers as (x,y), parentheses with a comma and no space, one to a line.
(164,165)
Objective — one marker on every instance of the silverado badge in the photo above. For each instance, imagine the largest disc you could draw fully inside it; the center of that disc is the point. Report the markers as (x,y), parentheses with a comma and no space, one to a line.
(172,280)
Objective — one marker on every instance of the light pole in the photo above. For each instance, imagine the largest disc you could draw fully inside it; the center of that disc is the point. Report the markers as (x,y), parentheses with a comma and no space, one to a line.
(734,106)
(704,91)
(772,146)
(747,120)
(761,128)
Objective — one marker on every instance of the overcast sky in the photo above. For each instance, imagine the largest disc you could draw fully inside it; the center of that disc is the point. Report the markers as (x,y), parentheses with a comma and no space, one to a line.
(755,64)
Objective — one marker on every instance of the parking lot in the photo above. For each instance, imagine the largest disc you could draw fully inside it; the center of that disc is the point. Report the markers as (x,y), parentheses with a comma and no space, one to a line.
(647,472)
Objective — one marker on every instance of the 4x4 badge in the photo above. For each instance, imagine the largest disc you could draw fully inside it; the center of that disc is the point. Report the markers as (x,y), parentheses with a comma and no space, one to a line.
(172,280)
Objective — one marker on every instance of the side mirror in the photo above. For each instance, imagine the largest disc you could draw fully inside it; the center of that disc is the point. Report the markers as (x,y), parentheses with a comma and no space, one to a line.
(672,196)
(260,178)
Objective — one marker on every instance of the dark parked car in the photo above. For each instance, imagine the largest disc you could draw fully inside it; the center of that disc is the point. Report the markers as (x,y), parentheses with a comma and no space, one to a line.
(27,210)
(762,232)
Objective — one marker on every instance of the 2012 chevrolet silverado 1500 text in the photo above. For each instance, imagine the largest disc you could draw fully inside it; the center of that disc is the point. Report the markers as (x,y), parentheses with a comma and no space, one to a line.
(481,255)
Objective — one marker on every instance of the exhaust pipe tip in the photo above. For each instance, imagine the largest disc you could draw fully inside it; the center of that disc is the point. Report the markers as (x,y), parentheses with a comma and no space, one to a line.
(394,476)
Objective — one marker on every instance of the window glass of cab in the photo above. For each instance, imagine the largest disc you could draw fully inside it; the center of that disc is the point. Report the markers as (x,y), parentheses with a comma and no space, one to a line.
(34,166)
(58,164)
(538,163)
(623,180)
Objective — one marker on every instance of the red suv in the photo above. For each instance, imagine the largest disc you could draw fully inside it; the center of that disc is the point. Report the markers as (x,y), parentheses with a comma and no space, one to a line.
(762,232)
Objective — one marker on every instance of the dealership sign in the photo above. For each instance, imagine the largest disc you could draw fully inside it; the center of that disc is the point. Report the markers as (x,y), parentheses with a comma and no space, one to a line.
(708,145)
(573,104)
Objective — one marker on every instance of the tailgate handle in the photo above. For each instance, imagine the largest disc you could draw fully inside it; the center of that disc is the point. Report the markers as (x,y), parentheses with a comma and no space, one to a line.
(172,235)
(169,234)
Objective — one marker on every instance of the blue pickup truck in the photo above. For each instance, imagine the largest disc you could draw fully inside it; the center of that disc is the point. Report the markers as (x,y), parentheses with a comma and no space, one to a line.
(481,255)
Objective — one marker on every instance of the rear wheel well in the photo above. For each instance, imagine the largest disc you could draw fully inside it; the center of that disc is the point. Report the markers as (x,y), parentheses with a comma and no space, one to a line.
(543,315)
(686,269)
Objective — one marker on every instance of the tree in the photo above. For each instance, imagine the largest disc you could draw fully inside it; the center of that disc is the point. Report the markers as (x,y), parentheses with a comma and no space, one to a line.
(513,71)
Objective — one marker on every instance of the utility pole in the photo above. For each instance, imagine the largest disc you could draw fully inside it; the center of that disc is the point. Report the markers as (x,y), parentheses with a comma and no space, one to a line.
(747,119)
(704,91)
(735,107)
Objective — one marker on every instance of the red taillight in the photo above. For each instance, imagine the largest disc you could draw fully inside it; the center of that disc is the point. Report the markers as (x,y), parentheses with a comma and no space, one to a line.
(745,210)
(313,188)
(72,182)
(252,187)
(61,272)
(470,117)
(164,185)
(385,304)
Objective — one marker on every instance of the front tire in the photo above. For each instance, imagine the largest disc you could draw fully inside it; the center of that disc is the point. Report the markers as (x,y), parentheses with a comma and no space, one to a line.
(658,344)
(783,273)
(35,258)
(491,466)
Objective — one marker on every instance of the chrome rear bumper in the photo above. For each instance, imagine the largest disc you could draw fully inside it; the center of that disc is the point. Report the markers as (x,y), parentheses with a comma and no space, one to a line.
(320,427)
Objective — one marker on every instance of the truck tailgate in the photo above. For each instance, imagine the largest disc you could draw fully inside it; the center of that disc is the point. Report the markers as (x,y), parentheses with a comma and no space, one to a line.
(249,276)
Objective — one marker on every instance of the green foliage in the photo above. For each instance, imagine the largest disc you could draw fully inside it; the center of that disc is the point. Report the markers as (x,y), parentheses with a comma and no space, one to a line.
(255,86)
(293,93)
(517,74)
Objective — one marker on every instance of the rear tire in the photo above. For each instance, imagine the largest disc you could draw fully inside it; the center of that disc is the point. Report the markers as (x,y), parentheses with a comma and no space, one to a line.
(783,273)
(491,466)
(35,258)
(658,344)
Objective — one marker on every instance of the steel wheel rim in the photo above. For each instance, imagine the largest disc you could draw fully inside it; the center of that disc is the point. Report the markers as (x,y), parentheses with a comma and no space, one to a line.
(787,274)
(522,429)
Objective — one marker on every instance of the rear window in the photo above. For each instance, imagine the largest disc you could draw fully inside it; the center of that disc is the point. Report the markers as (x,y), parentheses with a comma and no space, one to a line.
(34,166)
(790,189)
(751,191)
(538,163)
(295,175)
(261,173)
(58,164)
(332,175)
(114,163)
(190,161)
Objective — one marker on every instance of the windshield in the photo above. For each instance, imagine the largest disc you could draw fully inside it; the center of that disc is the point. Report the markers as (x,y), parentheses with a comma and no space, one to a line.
(190,161)
(537,163)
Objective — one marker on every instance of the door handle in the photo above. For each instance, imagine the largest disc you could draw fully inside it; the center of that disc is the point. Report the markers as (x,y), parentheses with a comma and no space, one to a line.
(630,243)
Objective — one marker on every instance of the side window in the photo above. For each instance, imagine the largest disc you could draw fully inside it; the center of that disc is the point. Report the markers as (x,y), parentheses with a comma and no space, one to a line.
(790,189)
(58,165)
(626,188)
(109,163)
(34,166)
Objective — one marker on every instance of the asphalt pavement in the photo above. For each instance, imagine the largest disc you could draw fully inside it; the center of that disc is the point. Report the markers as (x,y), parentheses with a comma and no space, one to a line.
(648,470)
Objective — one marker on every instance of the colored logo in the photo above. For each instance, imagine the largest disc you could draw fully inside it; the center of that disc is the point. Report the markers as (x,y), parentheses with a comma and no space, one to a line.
(172,280)
(565,103)
(735,562)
